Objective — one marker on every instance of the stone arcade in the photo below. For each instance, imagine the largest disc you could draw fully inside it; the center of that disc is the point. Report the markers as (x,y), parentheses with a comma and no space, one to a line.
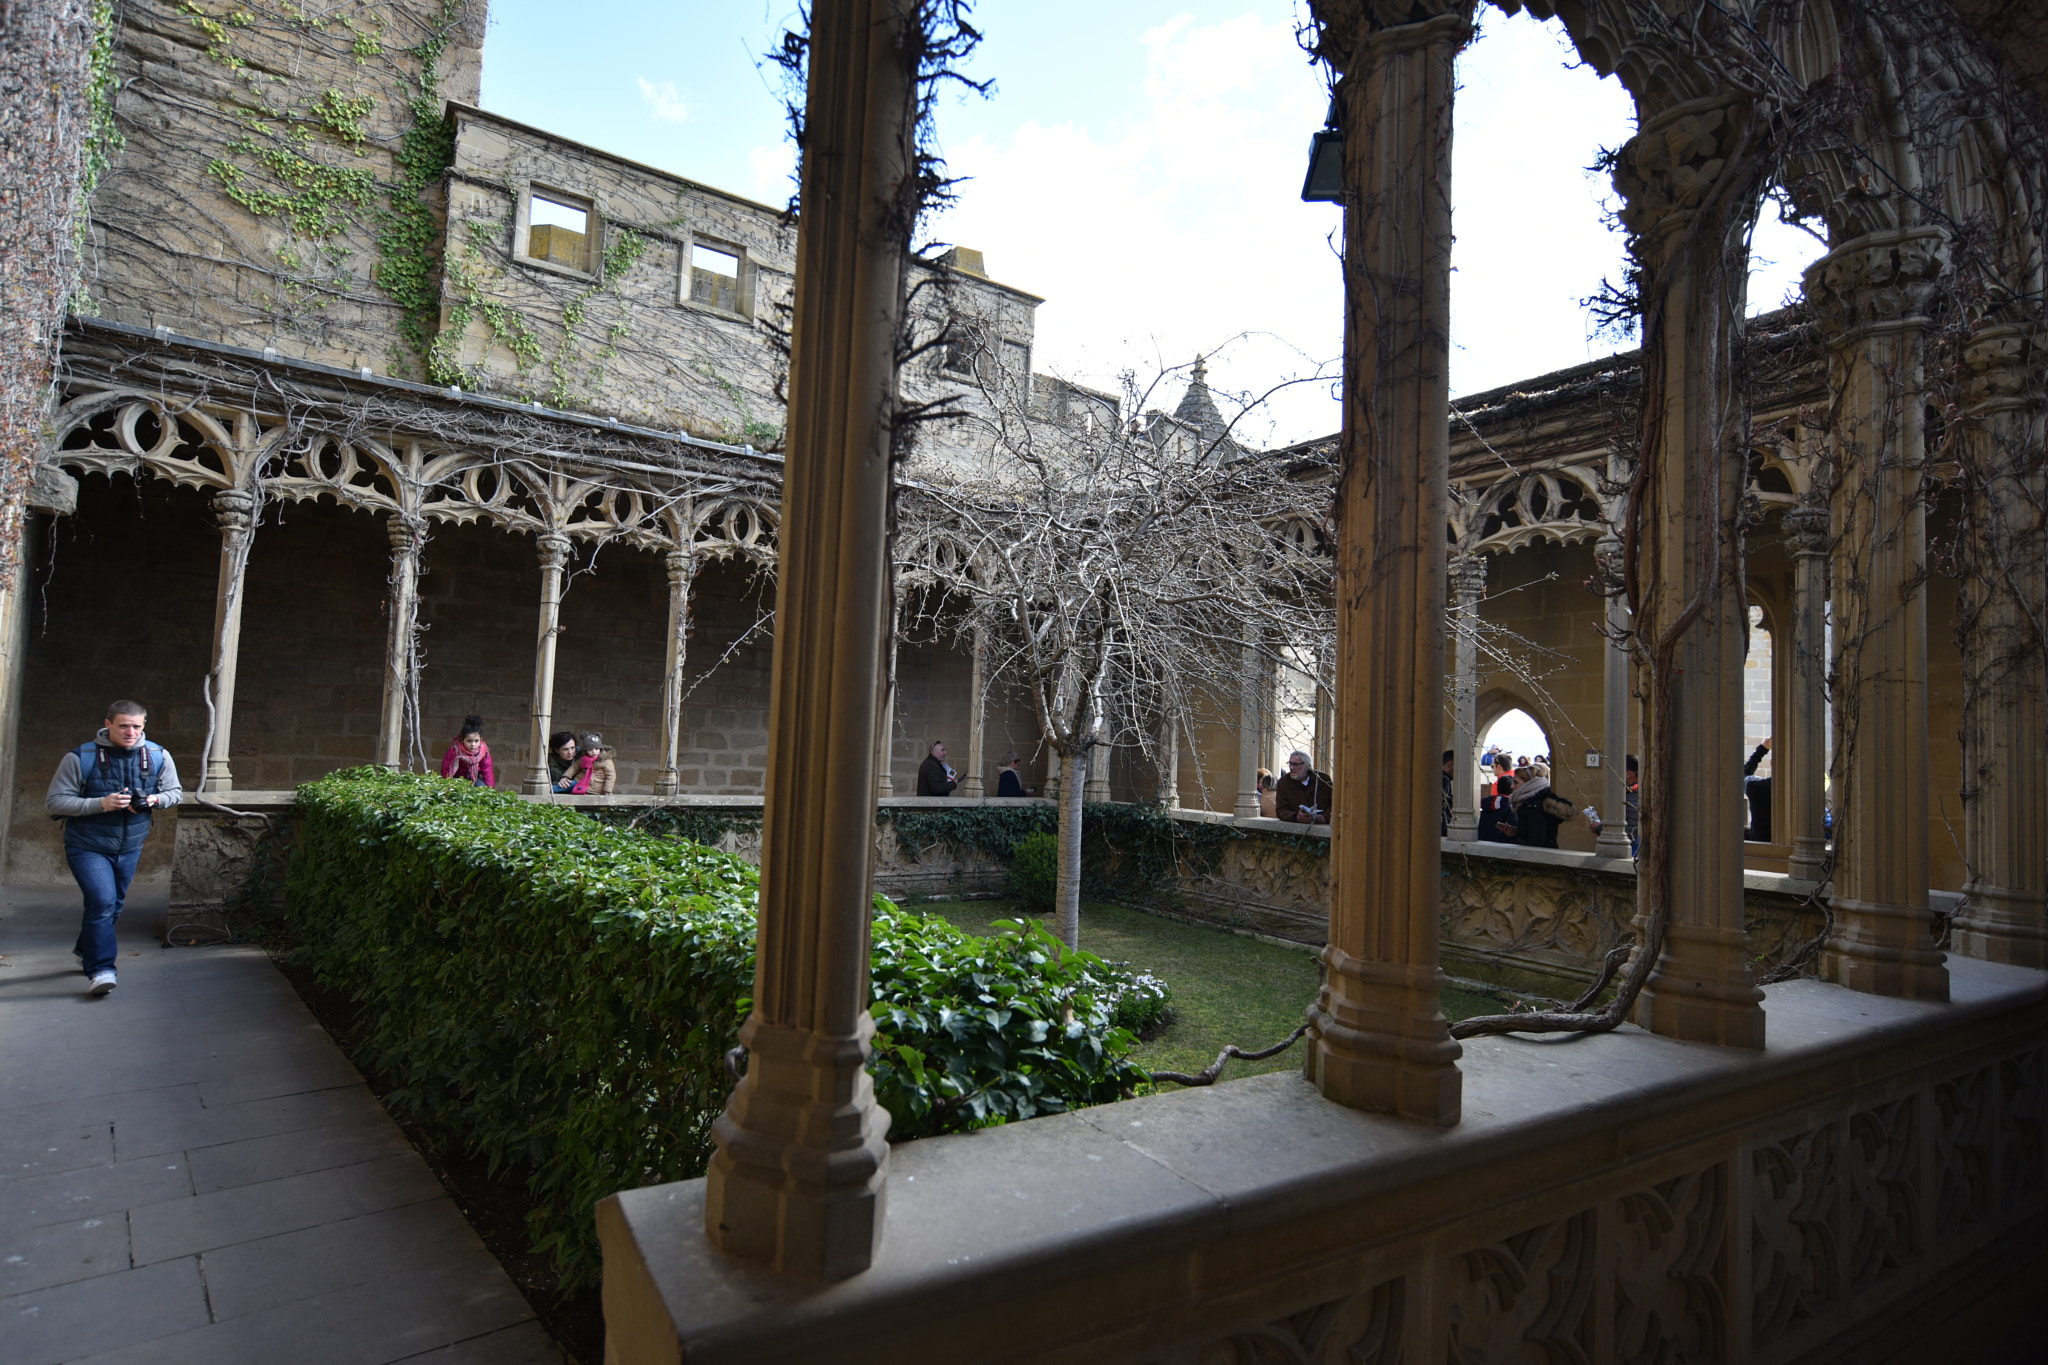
(553,489)
(1851,1168)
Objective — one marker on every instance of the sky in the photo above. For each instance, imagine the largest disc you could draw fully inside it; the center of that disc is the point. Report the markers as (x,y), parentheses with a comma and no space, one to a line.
(1139,165)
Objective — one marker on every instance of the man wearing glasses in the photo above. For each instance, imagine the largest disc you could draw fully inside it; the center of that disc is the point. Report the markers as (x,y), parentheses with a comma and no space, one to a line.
(1303,794)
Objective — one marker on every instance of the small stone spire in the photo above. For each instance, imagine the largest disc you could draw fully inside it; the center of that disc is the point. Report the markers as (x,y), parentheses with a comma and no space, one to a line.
(1198,410)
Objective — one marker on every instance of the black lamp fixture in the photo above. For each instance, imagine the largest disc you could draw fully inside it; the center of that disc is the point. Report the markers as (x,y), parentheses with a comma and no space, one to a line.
(1325,181)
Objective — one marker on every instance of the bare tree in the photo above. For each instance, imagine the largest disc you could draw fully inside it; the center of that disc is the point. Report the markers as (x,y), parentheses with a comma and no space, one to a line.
(1126,573)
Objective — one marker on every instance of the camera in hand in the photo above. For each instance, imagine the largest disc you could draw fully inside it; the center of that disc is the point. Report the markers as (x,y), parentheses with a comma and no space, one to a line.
(136,801)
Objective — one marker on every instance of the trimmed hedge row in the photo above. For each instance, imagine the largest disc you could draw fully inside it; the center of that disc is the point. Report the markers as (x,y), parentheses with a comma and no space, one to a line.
(558,996)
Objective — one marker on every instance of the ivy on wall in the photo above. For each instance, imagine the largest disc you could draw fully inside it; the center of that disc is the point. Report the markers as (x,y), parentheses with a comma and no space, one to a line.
(1128,852)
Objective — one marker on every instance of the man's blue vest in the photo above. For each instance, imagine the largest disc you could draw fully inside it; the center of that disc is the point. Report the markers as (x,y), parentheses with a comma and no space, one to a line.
(104,769)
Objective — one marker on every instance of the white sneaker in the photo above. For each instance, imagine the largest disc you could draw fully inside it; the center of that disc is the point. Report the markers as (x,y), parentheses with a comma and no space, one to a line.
(101,984)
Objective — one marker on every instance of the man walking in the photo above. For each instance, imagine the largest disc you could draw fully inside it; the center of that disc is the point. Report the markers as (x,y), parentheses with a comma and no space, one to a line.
(105,792)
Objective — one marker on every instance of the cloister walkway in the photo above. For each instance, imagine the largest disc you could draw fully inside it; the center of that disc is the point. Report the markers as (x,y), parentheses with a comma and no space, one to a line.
(190,1171)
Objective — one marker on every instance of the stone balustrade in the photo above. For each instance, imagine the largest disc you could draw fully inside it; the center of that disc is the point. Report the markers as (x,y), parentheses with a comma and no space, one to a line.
(1875,1174)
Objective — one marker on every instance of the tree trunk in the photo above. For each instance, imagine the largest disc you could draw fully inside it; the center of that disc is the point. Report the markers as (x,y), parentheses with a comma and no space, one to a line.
(1067,897)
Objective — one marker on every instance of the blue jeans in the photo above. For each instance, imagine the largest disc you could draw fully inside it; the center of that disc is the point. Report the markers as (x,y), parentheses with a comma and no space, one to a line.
(103,878)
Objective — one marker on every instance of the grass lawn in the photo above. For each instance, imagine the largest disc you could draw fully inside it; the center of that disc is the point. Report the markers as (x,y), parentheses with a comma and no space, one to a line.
(1226,988)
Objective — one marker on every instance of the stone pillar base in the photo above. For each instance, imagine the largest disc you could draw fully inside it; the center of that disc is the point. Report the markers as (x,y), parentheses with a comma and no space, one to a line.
(1378,1040)
(2003,926)
(1809,859)
(798,1178)
(1702,990)
(1885,950)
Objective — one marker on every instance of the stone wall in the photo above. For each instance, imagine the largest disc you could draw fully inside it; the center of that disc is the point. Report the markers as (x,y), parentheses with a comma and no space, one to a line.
(616,328)
(245,206)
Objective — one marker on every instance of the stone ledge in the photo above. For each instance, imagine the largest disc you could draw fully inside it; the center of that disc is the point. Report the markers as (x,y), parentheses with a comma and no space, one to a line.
(1117,1232)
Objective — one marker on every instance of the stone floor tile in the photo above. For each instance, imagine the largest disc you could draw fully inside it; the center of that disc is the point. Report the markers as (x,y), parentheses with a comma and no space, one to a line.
(257,1118)
(284,1076)
(254,1276)
(254,1160)
(525,1344)
(25,1155)
(93,1191)
(36,1258)
(159,1104)
(87,1317)
(245,1071)
(248,1212)
(378,1321)
(329,1238)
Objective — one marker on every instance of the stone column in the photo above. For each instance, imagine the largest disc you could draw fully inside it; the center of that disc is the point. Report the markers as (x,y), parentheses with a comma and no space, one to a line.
(682,568)
(1869,293)
(1801,748)
(1614,741)
(1468,585)
(403,607)
(1377,1037)
(885,746)
(2005,726)
(554,558)
(971,783)
(1690,610)
(1169,762)
(797,1179)
(234,510)
(1251,732)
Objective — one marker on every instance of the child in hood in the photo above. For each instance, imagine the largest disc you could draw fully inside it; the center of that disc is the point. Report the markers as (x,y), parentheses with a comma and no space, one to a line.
(469,759)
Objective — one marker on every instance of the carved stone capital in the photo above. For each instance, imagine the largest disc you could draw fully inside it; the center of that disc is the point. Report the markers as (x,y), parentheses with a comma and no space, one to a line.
(404,533)
(681,564)
(1351,30)
(554,551)
(1807,529)
(233,509)
(1468,579)
(1999,365)
(1664,172)
(1877,281)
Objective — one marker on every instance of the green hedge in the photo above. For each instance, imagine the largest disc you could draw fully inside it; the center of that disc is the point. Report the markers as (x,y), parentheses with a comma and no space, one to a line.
(558,995)
(1128,852)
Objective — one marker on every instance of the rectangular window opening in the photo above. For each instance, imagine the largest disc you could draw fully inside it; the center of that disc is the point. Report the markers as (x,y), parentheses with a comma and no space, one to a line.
(715,278)
(558,232)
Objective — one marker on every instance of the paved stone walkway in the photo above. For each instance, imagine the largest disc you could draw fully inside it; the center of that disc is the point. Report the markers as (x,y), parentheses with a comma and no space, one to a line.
(190,1171)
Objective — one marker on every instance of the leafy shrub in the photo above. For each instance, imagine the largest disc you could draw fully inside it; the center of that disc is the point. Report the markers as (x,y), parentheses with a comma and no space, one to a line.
(974,1031)
(1035,870)
(558,996)
(1141,1002)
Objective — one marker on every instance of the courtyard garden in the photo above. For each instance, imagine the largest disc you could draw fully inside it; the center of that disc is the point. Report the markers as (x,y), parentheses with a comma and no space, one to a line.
(1226,988)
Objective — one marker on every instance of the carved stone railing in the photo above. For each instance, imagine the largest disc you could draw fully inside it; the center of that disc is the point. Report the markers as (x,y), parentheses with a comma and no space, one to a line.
(1616,1198)
(1531,919)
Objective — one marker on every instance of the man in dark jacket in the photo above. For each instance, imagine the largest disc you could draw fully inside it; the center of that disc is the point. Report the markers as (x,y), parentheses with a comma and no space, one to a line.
(104,792)
(1758,790)
(1302,795)
(934,778)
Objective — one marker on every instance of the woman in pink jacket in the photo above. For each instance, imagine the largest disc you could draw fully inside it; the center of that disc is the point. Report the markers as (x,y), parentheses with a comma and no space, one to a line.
(469,759)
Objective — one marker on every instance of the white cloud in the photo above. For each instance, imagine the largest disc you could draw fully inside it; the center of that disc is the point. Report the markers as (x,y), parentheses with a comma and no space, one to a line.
(769,169)
(1179,231)
(663,101)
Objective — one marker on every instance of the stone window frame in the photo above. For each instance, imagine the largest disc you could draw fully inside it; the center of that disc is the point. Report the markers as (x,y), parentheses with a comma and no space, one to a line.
(750,270)
(522,229)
